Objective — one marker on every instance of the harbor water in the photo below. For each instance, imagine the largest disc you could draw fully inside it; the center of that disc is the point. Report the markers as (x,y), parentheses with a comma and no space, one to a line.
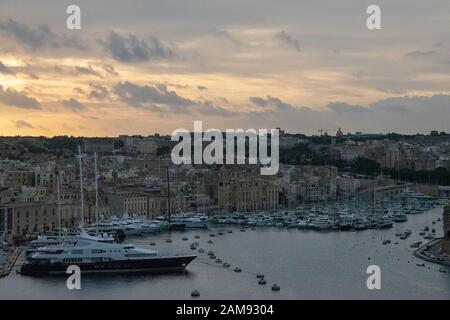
(304,263)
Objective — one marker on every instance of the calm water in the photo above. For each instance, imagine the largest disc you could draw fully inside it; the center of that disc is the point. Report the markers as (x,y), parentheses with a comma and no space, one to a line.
(306,264)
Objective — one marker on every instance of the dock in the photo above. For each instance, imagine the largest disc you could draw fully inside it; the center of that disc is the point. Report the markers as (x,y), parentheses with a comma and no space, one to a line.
(6,267)
(431,252)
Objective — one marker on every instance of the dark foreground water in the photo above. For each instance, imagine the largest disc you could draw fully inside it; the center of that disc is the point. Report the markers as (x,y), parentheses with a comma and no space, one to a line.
(306,264)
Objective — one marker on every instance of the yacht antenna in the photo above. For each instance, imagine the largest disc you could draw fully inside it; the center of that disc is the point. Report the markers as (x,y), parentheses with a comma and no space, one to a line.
(59,205)
(81,188)
(168,191)
(96,193)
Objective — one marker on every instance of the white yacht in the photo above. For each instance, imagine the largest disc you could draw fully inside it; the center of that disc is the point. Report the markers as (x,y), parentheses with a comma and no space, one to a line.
(302,224)
(96,257)
(400,217)
(385,222)
(191,222)
(322,222)
(346,222)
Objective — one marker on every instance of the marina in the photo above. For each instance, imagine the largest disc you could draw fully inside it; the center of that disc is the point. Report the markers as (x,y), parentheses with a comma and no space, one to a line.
(315,264)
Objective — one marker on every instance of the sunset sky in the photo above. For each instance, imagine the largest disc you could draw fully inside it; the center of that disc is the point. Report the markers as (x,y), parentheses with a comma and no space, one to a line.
(140,67)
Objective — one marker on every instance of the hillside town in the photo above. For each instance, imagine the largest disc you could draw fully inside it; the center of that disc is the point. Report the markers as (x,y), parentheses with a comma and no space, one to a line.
(134,173)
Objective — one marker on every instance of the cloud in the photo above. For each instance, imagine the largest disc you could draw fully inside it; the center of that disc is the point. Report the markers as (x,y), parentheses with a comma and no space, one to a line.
(224,34)
(87,71)
(73,104)
(271,101)
(289,41)
(131,49)
(342,107)
(6,70)
(32,37)
(110,70)
(18,99)
(420,54)
(98,92)
(78,90)
(395,114)
(209,108)
(141,96)
(37,37)
(21,124)
(159,99)
(391,91)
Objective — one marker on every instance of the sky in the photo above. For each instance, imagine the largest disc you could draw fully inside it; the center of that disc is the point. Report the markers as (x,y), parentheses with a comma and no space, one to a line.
(153,66)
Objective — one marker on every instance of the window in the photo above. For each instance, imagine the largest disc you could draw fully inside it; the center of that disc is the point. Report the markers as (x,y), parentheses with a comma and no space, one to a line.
(76,252)
(73,260)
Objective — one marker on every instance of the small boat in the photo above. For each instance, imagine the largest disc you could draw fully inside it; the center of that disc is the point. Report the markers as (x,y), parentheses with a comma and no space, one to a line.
(195,294)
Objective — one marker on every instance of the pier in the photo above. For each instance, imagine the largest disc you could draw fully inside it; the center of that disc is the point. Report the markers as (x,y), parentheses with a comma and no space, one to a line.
(431,252)
(8,264)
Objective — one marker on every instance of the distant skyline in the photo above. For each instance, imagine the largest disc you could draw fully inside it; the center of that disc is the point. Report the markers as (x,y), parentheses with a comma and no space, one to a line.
(154,66)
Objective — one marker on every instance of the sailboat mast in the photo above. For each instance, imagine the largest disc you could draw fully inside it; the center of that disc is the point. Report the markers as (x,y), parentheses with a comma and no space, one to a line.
(59,205)
(168,192)
(96,193)
(81,188)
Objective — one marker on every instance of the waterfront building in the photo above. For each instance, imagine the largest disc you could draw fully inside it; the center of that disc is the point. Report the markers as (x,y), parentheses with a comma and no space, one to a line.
(144,201)
(241,190)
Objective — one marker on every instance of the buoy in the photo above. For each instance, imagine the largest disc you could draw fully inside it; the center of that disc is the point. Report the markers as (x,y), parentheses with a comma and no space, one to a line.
(275,287)
(212,235)
(230,231)
(220,233)
(226,265)
(218,261)
(210,241)
(195,293)
(210,253)
(212,257)
(260,276)
(152,243)
(168,240)
(262,281)
(237,269)
(201,250)
(197,237)
(185,239)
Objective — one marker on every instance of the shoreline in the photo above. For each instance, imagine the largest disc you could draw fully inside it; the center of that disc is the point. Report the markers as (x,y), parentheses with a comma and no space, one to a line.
(431,252)
(10,262)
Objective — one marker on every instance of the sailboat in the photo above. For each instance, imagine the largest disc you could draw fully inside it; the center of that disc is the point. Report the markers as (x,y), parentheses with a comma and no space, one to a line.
(173,225)
(60,239)
(92,255)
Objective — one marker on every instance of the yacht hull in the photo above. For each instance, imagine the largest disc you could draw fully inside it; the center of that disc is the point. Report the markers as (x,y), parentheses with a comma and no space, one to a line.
(155,265)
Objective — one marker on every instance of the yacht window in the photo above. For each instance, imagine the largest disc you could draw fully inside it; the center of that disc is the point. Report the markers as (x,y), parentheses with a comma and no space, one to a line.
(77,251)
(136,255)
